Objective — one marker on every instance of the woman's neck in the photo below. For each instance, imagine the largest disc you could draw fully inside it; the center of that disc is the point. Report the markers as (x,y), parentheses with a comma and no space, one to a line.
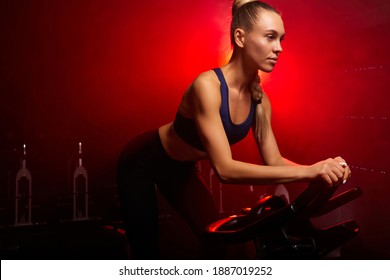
(239,75)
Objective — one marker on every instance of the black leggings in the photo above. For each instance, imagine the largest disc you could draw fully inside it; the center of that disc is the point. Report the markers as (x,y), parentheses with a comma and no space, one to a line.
(144,165)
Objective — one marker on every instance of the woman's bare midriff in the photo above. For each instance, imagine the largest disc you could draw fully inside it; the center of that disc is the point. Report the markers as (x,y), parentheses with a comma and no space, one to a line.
(176,148)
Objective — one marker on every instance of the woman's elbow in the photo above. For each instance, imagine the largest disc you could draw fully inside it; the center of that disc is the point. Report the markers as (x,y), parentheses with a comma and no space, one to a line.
(224,174)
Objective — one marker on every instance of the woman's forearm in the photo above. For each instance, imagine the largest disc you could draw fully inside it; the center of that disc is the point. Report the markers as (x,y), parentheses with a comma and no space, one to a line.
(237,172)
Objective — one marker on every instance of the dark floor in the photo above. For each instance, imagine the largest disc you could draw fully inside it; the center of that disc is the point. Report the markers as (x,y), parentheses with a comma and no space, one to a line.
(103,238)
(97,240)
(63,241)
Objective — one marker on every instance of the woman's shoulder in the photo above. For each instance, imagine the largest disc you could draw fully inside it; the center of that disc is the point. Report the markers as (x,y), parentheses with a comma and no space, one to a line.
(204,90)
(206,77)
(205,81)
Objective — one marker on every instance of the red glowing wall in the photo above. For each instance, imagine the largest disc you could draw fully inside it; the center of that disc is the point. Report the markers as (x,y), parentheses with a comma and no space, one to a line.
(102,71)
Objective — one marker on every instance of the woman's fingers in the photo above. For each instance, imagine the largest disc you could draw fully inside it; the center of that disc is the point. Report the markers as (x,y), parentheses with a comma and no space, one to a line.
(345,169)
(333,171)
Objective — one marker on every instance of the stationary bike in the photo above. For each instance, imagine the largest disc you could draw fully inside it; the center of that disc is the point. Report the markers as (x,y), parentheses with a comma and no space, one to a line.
(285,231)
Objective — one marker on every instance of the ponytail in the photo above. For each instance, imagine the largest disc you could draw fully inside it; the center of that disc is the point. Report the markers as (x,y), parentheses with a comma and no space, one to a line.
(261,122)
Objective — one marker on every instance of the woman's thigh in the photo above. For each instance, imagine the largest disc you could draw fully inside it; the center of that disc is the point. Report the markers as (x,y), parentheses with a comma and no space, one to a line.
(190,198)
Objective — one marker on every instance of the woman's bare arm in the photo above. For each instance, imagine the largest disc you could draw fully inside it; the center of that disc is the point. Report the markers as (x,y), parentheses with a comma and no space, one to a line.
(205,101)
(268,146)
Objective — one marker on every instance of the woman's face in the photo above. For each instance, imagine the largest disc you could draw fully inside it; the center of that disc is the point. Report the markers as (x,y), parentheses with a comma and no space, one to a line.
(263,42)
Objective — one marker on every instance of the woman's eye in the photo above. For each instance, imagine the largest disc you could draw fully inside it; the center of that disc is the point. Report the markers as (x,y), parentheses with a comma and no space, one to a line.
(270,37)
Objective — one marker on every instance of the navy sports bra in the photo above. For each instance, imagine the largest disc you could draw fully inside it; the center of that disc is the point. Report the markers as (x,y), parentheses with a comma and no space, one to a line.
(185,127)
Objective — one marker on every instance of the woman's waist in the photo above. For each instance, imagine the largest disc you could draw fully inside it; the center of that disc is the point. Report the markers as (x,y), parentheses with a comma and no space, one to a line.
(177,148)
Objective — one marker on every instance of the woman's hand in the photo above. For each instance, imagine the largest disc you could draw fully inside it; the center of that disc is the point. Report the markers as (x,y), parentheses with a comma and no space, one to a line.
(331,171)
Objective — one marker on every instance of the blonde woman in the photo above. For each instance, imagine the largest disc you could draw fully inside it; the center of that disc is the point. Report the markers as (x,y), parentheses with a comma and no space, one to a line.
(218,109)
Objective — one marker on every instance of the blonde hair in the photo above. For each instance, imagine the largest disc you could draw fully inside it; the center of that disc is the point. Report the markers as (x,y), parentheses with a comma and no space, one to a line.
(238,3)
(244,15)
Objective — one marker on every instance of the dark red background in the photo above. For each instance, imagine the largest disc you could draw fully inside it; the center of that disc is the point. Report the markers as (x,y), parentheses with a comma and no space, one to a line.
(100,72)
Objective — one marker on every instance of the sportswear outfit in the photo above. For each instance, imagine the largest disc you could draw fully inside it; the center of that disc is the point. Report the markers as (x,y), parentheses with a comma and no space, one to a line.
(144,166)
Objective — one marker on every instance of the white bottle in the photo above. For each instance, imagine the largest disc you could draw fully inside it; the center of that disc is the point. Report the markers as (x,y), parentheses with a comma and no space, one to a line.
(80,190)
(23,193)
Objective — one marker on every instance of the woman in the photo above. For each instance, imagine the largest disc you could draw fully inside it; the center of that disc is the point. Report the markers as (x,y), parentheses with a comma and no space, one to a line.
(217,110)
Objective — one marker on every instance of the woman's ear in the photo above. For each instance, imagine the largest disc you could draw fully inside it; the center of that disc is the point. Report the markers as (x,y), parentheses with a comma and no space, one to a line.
(239,37)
